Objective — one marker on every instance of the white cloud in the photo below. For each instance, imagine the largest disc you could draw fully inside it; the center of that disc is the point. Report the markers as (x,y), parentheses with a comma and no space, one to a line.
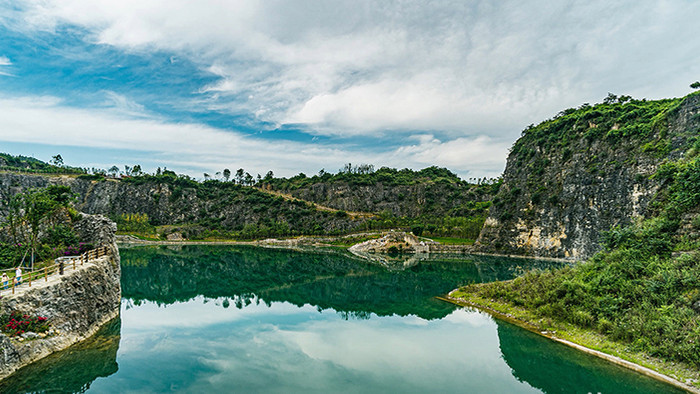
(482,155)
(462,78)
(361,67)
(196,148)
(123,105)
(5,61)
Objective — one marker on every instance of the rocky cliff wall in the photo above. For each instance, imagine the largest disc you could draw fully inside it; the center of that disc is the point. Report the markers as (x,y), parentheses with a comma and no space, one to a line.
(76,304)
(434,199)
(227,206)
(566,183)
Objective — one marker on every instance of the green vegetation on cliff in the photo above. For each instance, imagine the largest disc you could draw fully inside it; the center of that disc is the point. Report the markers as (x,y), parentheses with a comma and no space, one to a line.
(38,225)
(32,165)
(642,288)
(433,201)
(216,208)
(572,178)
(221,209)
(611,122)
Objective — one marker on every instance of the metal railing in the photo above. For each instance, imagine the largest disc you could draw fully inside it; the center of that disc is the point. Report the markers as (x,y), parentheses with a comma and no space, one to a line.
(60,266)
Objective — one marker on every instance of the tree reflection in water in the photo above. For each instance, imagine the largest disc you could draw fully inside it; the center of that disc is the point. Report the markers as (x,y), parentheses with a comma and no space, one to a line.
(556,368)
(324,278)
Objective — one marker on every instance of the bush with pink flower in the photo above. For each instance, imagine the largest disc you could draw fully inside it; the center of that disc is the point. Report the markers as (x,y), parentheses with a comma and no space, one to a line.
(17,323)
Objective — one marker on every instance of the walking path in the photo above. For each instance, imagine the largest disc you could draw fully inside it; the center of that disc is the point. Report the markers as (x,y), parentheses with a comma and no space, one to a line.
(48,275)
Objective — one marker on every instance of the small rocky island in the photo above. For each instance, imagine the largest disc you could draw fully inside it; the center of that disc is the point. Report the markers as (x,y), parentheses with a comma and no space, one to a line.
(394,242)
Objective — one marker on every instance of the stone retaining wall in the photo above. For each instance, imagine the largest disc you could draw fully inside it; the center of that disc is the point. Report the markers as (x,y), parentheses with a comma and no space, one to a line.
(76,304)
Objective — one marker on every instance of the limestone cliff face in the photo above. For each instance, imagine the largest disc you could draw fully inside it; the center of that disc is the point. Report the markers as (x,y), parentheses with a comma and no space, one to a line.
(233,207)
(77,303)
(566,183)
(229,206)
(434,199)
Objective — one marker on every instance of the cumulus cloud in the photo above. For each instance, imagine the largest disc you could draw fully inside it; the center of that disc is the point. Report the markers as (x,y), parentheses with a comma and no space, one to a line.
(362,67)
(481,155)
(450,83)
(196,148)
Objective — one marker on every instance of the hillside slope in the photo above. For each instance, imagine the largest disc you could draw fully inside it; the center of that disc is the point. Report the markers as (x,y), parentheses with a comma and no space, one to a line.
(572,178)
(639,296)
(202,209)
(431,192)
(434,201)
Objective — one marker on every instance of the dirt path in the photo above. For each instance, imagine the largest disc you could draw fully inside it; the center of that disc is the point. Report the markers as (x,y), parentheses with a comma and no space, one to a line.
(289,197)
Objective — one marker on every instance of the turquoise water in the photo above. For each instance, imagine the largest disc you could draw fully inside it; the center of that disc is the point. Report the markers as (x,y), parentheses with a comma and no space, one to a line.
(215,319)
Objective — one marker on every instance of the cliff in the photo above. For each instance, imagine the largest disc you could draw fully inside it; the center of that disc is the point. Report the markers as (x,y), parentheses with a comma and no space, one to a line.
(424,199)
(76,304)
(431,192)
(434,198)
(571,178)
(209,206)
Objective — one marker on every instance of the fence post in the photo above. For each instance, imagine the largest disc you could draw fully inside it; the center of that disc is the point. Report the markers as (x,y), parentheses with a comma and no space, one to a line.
(46,274)
(13,285)
(30,279)
(73,260)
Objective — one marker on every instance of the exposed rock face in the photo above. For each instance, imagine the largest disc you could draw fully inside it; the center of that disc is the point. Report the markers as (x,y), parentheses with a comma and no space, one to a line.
(98,358)
(557,202)
(76,304)
(171,204)
(393,242)
(401,200)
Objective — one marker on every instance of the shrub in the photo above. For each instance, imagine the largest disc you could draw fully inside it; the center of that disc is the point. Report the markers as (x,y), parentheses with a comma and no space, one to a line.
(17,323)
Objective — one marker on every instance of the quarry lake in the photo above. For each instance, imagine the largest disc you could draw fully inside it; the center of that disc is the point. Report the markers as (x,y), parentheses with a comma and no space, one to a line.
(218,319)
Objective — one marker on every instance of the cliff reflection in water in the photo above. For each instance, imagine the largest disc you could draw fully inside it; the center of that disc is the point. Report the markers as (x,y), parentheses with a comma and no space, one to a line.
(555,368)
(72,370)
(323,278)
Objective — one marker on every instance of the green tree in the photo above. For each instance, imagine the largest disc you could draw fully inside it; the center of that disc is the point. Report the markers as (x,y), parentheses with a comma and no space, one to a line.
(57,160)
(227,174)
(39,207)
(248,179)
(695,85)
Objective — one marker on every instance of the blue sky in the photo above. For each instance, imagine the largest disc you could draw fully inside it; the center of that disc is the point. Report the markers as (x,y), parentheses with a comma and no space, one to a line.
(296,86)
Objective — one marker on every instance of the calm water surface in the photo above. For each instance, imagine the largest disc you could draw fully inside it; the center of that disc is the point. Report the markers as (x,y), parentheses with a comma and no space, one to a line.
(215,319)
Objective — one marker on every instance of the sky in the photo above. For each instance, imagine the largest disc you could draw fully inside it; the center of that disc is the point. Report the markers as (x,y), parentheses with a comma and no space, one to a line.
(300,86)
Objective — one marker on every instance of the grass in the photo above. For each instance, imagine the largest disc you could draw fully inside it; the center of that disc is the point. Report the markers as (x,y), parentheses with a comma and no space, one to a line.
(335,241)
(453,241)
(591,339)
(144,237)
